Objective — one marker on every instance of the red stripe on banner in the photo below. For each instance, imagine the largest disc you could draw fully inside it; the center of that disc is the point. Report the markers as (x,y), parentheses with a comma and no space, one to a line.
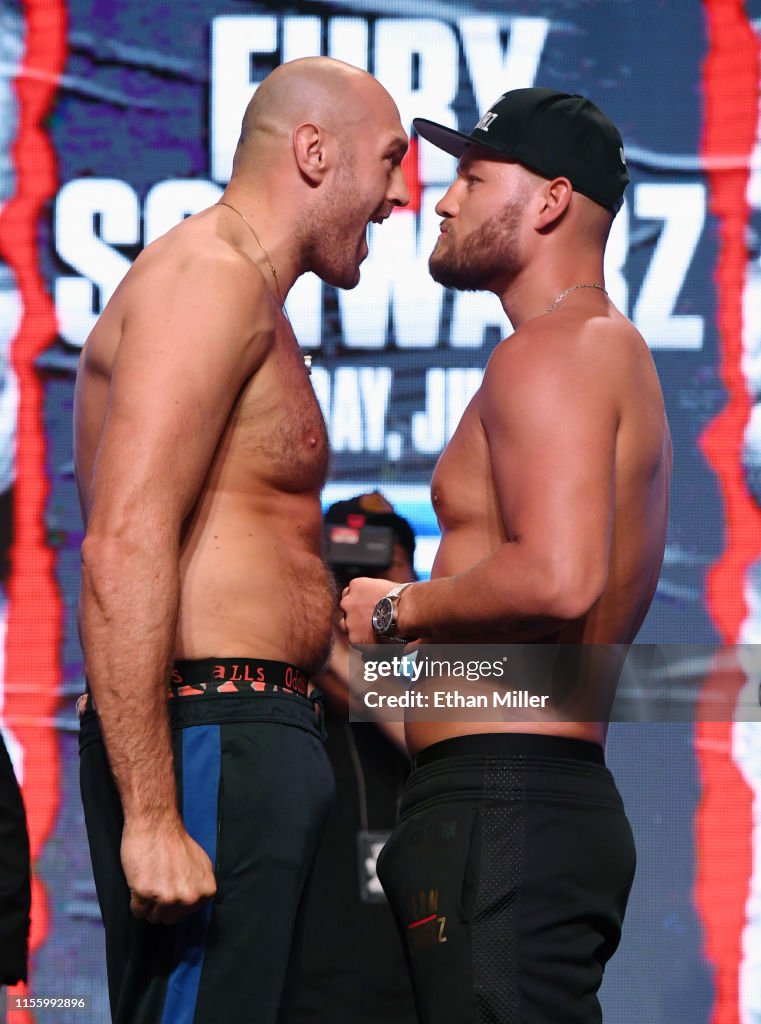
(32,656)
(411,172)
(723,819)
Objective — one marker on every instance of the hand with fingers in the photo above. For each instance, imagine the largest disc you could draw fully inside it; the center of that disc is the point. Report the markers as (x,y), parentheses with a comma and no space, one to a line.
(169,875)
(358,601)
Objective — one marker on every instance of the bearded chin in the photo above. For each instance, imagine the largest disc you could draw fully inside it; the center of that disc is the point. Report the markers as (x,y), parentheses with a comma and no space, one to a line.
(452,273)
(485,259)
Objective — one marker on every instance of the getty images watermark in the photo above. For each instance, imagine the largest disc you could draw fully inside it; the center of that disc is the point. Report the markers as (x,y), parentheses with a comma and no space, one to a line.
(416,670)
(556,682)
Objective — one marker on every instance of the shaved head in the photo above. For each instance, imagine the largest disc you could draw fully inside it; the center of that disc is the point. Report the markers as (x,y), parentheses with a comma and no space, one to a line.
(320,159)
(316,90)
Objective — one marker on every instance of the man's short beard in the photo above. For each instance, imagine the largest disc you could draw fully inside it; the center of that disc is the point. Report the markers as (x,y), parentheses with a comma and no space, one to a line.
(484,256)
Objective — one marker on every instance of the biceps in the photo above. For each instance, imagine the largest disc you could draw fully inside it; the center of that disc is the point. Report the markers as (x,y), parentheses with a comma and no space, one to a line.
(556,487)
(159,438)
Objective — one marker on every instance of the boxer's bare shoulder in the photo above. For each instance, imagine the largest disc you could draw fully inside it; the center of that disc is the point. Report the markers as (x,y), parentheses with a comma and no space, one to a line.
(575,372)
(190,271)
(190,323)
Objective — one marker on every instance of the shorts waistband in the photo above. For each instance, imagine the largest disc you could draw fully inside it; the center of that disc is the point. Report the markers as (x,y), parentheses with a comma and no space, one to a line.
(193,678)
(510,744)
(537,768)
(229,691)
(220,677)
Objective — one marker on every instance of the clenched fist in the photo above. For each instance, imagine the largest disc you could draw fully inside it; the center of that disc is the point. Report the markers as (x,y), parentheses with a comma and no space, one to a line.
(169,875)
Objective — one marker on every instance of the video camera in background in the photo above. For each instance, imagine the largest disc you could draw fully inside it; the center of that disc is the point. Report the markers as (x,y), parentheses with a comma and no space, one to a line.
(359,537)
(358,549)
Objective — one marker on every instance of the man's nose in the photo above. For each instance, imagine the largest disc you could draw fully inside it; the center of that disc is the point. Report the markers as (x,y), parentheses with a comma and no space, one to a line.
(447,205)
(398,193)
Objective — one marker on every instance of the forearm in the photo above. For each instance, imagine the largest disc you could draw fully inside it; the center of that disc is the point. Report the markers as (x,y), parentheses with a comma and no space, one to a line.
(511,596)
(128,612)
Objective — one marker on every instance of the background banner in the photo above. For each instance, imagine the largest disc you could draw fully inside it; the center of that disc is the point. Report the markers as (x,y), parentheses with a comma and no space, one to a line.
(116,120)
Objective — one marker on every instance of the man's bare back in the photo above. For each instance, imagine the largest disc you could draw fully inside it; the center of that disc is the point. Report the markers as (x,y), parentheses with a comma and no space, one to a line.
(251,574)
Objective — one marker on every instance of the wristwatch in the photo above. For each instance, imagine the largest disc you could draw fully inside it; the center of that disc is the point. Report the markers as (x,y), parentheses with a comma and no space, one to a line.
(384,616)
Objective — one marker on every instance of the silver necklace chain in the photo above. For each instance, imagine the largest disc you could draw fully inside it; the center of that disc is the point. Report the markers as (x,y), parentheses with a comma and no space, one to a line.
(573,288)
(271,265)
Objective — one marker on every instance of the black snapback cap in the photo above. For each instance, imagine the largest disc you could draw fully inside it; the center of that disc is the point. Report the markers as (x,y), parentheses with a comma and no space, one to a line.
(554,134)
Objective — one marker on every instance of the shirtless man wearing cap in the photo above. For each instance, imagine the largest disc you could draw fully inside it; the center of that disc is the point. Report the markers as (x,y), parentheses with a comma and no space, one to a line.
(511,867)
(205,604)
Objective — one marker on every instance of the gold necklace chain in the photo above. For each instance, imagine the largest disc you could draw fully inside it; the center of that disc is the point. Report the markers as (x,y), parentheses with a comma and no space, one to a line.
(573,288)
(271,265)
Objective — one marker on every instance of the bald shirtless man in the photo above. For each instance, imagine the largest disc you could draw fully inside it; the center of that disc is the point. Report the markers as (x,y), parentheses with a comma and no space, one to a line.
(205,604)
(511,867)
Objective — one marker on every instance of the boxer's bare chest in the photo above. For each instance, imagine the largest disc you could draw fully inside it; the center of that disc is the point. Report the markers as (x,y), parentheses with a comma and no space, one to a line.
(277,425)
(462,483)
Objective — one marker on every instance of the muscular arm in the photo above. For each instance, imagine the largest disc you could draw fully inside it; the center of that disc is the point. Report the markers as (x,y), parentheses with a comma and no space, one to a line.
(551,430)
(189,340)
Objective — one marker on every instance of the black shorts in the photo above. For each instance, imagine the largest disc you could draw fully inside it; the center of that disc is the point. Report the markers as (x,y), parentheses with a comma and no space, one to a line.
(254,788)
(353,964)
(509,874)
(15,894)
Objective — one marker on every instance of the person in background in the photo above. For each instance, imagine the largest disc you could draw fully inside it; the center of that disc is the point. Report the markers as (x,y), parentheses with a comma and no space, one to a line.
(15,891)
(352,956)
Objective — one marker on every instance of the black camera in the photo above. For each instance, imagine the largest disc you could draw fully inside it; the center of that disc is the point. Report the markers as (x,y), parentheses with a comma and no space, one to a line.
(353,551)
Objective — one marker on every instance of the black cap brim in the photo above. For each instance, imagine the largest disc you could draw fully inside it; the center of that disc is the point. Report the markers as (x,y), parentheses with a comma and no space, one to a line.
(452,142)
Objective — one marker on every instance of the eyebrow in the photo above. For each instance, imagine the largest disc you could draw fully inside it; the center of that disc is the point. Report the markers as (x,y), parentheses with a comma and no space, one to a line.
(398,146)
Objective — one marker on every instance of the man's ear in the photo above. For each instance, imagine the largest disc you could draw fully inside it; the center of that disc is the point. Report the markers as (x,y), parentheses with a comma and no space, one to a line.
(312,149)
(554,200)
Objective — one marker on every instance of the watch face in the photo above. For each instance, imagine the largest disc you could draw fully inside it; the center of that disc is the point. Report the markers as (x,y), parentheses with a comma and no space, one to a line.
(383,616)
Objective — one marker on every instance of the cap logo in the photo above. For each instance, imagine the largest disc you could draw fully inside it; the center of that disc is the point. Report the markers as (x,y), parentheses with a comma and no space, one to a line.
(486,122)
